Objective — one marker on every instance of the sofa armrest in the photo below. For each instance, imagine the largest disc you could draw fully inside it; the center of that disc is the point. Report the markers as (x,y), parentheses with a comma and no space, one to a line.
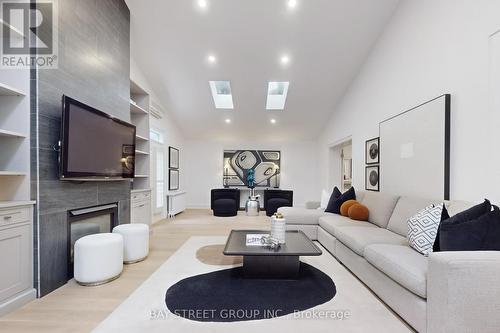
(463,292)
(313,204)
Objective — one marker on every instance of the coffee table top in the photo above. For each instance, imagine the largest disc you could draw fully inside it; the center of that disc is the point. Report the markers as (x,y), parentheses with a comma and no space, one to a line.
(296,244)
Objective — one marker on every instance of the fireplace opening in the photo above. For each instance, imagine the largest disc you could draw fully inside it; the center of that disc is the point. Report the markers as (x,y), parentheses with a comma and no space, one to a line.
(88,221)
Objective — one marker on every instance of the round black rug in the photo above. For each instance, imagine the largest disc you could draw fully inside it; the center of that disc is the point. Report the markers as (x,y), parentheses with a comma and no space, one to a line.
(225,296)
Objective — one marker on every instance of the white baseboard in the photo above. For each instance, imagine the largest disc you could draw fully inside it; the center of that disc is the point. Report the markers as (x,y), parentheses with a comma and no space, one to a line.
(17,301)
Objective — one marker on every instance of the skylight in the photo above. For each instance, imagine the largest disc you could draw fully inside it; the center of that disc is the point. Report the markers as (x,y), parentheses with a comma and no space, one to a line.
(221,92)
(276,95)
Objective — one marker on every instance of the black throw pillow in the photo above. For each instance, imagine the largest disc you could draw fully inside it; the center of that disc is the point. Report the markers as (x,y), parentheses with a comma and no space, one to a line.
(467,215)
(336,192)
(335,203)
(444,216)
(480,234)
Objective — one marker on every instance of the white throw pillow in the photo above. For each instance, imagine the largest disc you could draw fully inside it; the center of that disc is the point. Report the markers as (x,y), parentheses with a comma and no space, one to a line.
(325,197)
(422,228)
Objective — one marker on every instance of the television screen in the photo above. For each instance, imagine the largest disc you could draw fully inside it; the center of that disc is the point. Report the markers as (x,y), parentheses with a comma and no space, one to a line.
(95,144)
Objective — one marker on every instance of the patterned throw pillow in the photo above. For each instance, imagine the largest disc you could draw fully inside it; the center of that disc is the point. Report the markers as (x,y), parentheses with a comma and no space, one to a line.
(422,228)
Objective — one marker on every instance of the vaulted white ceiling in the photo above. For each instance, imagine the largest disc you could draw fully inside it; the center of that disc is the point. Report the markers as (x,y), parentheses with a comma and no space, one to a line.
(327,41)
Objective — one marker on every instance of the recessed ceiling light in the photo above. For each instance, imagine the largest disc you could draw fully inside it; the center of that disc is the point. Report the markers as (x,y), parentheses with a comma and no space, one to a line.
(212,59)
(228,121)
(285,59)
(202,4)
(292,4)
(273,121)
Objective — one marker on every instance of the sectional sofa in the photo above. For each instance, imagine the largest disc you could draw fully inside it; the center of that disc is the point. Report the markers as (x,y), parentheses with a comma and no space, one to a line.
(445,292)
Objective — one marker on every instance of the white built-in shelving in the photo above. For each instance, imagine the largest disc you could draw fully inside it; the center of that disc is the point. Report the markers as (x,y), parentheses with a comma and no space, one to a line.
(14,135)
(140,100)
(141,138)
(140,152)
(6,90)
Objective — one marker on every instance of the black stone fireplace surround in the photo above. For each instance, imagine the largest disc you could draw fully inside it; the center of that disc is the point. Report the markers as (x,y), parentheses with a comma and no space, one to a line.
(94,68)
(82,218)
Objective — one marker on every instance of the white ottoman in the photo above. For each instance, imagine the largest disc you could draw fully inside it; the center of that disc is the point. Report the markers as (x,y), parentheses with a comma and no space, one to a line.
(98,258)
(135,241)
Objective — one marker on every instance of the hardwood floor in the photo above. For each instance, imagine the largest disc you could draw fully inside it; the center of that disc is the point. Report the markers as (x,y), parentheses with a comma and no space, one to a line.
(73,308)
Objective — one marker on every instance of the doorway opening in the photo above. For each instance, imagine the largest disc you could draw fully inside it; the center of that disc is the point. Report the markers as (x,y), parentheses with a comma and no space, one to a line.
(340,165)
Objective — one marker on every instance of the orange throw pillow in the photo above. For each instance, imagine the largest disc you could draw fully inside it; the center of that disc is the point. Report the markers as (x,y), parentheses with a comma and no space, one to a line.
(344,209)
(358,212)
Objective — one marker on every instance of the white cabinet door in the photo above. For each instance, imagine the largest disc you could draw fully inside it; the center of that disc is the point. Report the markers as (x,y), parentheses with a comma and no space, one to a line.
(141,212)
(15,259)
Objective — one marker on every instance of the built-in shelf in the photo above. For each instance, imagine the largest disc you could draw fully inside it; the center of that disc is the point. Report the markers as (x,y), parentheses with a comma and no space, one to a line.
(143,138)
(10,204)
(136,109)
(13,173)
(11,134)
(6,90)
(139,117)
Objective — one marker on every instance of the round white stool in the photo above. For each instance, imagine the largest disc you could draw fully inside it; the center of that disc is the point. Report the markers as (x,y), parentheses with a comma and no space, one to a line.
(135,241)
(98,258)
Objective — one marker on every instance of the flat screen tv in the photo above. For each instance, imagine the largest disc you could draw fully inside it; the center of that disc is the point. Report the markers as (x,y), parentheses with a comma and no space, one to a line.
(95,145)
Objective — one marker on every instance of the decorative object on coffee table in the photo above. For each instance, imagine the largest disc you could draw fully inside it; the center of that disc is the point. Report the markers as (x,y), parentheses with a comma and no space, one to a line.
(263,262)
(372,178)
(278,227)
(372,151)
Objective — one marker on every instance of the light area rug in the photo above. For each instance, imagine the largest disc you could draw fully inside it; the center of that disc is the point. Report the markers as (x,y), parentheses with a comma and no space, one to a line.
(145,310)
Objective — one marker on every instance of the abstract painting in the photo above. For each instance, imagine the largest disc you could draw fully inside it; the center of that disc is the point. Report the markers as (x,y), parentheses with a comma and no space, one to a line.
(265,164)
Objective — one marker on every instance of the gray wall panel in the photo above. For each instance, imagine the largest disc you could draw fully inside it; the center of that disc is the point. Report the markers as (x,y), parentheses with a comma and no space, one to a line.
(94,68)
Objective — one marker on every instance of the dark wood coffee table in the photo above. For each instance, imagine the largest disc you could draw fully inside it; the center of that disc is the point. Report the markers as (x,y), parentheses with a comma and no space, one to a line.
(263,262)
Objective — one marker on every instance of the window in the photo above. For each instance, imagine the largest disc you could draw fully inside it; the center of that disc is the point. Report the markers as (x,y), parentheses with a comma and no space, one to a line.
(155,136)
(221,93)
(160,178)
(276,95)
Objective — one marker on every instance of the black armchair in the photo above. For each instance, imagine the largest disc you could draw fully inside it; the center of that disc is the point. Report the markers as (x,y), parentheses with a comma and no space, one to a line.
(225,202)
(274,199)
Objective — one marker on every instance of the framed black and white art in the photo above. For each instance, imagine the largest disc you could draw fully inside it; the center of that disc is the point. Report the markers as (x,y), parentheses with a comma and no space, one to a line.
(173,158)
(372,151)
(372,178)
(173,180)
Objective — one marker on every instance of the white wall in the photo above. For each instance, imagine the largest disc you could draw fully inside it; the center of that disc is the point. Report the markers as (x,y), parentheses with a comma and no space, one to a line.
(429,48)
(204,165)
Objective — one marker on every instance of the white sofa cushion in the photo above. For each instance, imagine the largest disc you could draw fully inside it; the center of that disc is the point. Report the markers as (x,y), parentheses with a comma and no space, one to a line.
(402,264)
(406,208)
(331,221)
(325,197)
(300,215)
(381,206)
(358,238)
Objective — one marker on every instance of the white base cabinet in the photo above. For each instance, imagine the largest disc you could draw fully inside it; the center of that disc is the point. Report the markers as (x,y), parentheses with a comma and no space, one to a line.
(140,209)
(16,255)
